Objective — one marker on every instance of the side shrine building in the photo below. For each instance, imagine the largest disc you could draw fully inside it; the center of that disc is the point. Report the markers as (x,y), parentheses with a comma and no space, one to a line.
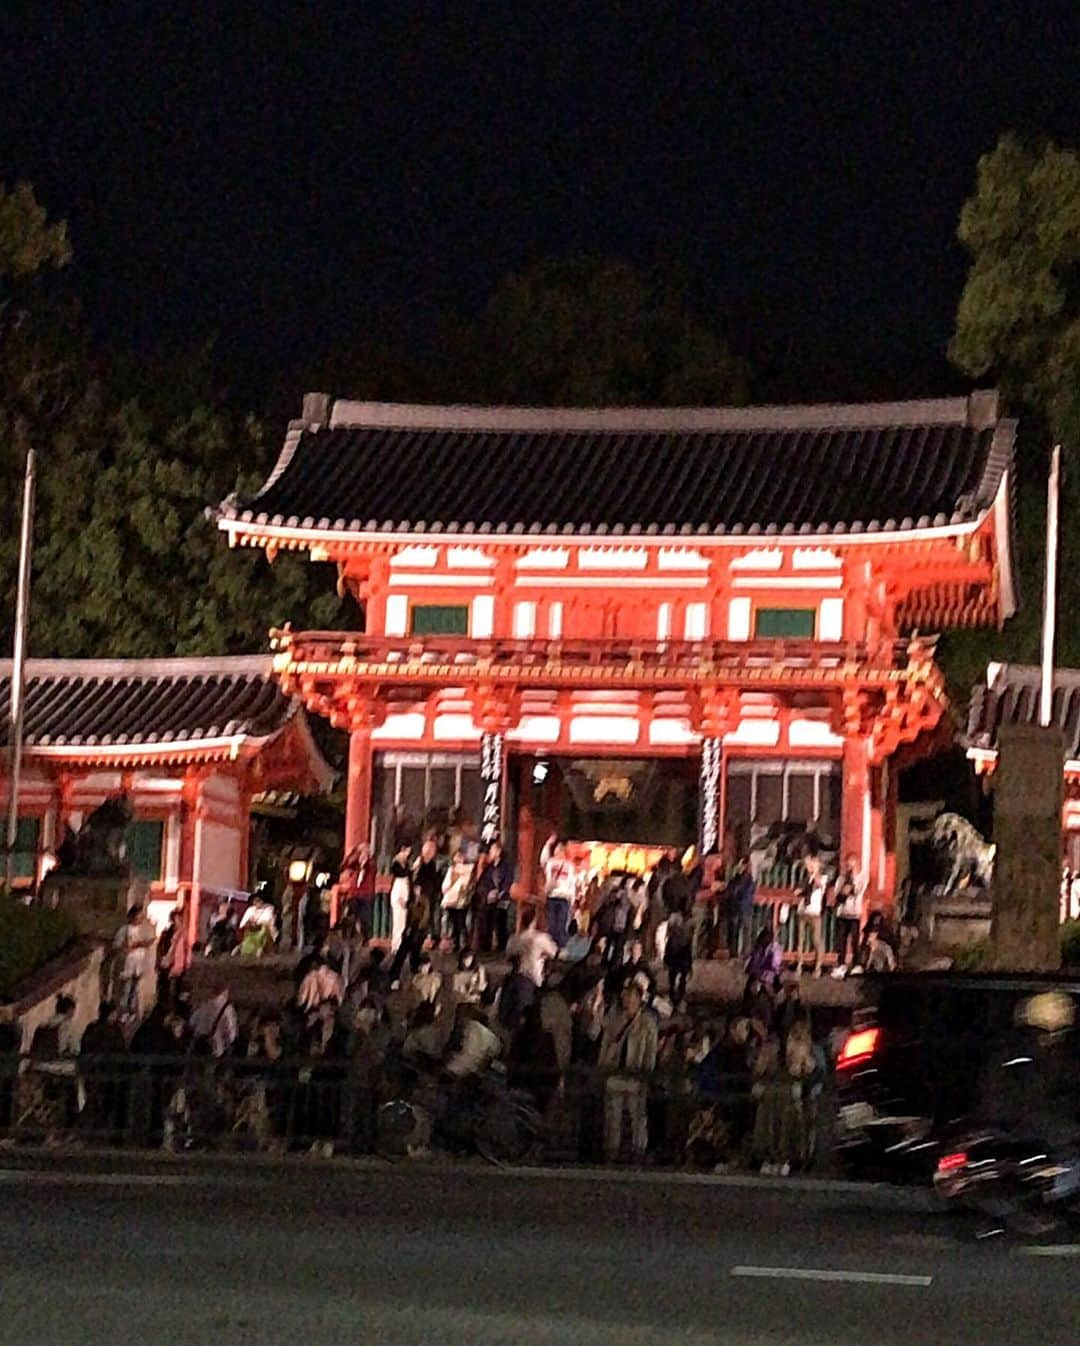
(1010,695)
(191,742)
(640,627)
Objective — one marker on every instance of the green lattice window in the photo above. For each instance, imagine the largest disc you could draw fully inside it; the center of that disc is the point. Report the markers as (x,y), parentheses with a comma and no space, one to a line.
(439,619)
(26,848)
(145,845)
(784,623)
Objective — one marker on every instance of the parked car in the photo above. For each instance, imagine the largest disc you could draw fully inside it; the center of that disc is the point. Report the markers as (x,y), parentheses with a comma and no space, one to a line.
(909,1072)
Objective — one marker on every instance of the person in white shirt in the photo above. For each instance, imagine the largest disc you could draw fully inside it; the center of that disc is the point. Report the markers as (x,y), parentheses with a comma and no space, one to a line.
(850,894)
(215,1022)
(534,948)
(479,1045)
(812,890)
(258,927)
(470,979)
(456,893)
(400,893)
(134,941)
(560,888)
(322,983)
(427,982)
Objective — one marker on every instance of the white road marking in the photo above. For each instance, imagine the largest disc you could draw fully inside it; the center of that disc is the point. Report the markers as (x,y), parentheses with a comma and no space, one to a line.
(666,1178)
(1052,1250)
(15,1177)
(823,1274)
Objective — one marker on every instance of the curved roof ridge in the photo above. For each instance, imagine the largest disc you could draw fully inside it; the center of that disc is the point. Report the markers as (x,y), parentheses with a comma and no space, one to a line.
(180,666)
(832,469)
(346,415)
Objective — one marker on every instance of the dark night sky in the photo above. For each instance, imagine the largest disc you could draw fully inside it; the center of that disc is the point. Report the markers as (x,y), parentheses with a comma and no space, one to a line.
(293,175)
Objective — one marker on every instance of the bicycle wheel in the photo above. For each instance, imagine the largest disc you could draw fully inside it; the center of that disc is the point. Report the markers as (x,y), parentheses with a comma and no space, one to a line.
(396,1129)
(509,1133)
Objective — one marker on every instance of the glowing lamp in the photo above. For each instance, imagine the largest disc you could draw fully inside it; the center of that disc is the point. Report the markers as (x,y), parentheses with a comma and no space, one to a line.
(299,871)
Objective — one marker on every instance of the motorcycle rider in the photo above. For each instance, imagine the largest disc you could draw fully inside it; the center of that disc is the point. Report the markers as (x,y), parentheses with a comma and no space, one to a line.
(1030,1090)
(1031,1093)
(472,1048)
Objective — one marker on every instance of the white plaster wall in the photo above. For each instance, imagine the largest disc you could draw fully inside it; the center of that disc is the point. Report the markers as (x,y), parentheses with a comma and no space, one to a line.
(83,984)
(218,847)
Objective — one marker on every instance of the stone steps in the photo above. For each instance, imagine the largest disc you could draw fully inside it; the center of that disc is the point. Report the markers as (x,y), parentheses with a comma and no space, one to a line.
(254,983)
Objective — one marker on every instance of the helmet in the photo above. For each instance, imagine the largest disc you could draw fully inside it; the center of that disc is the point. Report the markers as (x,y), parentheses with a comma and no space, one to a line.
(1050,1011)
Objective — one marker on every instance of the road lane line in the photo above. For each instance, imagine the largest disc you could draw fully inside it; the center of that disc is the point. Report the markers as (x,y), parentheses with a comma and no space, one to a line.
(823,1274)
(15,1177)
(1051,1250)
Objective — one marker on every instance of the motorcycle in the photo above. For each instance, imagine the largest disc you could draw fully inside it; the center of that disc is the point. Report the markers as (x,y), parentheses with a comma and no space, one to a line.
(1012,1182)
(482,1115)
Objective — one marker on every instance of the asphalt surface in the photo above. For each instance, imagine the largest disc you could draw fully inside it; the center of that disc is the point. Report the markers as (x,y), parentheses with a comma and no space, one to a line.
(182,1252)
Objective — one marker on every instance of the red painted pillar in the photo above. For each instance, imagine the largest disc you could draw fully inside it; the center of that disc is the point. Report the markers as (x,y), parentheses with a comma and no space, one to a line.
(189,807)
(855,805)
(890,797)
(358,789)
(879,866)
(526,834)
(245,840)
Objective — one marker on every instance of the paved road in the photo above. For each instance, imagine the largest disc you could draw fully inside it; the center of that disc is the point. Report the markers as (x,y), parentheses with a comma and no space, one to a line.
(172,1253)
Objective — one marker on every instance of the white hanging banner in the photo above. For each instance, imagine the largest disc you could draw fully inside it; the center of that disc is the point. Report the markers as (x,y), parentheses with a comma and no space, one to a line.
(491,778)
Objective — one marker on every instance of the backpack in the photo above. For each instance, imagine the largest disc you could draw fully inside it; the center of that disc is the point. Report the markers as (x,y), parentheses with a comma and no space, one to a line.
(678,934)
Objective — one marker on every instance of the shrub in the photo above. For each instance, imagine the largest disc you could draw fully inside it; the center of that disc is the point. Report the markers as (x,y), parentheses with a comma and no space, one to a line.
(29,937)
(973,958)
(1070,944)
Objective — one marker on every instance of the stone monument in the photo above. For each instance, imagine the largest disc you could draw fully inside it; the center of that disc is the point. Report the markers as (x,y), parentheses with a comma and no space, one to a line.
(93,879)
(1028,798)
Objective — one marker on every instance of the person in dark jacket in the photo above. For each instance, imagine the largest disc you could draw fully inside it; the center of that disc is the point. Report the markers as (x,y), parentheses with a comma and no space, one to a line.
(516,992)
(678,892)
(101,1072)
(427,879)
(493,904)
(375,978)
(581,977)
(10,1046)
(738,898)
(678,956)
(532,1062)
(104,1037)
(757,1003)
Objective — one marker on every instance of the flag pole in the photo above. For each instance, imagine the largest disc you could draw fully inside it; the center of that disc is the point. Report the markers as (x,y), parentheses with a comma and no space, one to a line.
(18,668)
(1046,689)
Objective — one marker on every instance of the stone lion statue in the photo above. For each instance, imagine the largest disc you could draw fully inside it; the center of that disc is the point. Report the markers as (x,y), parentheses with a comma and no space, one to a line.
(966,856)
(97,848)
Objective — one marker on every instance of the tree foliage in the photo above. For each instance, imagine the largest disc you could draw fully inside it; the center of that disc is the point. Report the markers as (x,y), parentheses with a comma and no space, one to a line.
(590,331)
(28,241)
(129,456)
(1019,314)
(1018,323)
(595,331)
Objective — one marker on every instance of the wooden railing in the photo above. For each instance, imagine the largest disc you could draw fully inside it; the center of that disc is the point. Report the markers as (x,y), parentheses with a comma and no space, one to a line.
(617,658)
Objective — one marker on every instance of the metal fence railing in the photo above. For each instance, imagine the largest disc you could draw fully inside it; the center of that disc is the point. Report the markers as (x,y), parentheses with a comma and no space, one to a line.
(358,1106)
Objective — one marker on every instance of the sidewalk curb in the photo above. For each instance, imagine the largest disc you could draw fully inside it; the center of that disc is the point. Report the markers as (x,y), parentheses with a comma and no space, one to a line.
(134,1163)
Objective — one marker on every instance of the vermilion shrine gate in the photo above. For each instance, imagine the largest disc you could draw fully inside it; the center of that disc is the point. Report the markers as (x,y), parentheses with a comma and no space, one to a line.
(672,622)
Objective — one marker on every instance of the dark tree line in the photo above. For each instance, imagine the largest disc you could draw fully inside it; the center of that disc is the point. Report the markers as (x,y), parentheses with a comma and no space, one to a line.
(132,452)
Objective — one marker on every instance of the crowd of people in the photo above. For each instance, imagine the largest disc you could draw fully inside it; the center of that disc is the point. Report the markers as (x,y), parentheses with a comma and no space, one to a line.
(607,1053)
(457,893)
(590,1018)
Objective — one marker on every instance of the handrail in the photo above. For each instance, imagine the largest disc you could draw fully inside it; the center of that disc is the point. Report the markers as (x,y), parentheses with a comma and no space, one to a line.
(357,649)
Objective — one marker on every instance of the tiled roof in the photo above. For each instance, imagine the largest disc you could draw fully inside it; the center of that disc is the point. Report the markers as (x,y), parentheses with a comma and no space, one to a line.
(1010,695)
(111,702)
(376,467)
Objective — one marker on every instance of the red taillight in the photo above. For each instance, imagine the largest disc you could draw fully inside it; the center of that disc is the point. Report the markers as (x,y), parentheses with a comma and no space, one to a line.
(949,1163)
(858,1048)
